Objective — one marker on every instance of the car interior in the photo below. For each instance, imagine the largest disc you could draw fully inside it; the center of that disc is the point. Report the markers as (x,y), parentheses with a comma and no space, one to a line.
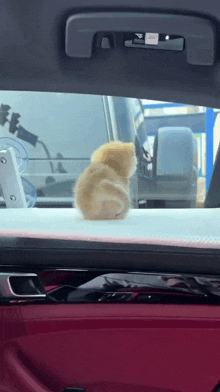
(109,305)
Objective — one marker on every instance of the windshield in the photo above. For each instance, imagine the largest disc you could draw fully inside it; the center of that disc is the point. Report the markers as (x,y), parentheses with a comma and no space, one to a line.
(175,144)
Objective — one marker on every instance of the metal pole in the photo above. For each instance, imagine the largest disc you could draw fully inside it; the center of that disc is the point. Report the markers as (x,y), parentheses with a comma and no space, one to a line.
(210,119)
(47,153)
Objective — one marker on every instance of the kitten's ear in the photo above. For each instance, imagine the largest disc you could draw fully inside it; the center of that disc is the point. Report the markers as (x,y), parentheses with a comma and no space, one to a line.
(130,147)
(97,155)
(94,156)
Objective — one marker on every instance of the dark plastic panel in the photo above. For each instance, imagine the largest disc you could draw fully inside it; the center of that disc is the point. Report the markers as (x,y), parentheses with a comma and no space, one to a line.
(213,195)
(198,33)
(28,253)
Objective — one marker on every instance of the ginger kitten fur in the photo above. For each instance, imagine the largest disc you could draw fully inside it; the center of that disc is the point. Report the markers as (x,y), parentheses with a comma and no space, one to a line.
(102,190)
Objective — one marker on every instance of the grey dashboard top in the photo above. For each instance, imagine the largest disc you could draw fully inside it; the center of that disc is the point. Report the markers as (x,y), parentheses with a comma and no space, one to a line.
(195,228)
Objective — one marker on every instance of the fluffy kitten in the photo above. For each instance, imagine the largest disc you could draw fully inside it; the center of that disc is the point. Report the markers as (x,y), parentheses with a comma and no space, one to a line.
(102,190)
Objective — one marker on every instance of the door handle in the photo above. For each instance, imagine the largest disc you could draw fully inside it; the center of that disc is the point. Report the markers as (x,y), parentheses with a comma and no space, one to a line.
(199,33)
(21,286)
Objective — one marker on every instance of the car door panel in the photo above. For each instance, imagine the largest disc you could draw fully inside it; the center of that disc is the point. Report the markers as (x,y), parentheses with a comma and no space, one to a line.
(100,348)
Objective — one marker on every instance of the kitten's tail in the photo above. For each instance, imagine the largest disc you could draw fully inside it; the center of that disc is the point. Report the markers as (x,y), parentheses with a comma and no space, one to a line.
(110,201)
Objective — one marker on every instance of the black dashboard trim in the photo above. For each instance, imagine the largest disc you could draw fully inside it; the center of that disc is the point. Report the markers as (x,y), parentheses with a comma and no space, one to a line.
(28,252)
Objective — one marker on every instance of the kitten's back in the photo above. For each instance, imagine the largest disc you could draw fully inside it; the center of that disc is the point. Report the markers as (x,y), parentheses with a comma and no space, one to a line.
(100,193)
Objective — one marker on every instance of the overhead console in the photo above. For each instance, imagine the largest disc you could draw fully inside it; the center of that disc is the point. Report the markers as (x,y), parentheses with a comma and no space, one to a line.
(89,32)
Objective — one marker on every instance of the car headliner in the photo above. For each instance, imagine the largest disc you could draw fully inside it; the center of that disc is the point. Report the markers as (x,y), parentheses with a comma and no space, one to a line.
(33,54)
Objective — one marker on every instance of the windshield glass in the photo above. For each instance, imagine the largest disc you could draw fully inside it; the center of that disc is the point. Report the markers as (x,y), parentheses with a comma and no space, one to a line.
(175,144)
